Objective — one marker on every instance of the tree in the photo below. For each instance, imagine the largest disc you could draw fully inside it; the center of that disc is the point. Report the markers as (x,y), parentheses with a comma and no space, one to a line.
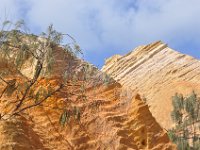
(17,46)
(186,116)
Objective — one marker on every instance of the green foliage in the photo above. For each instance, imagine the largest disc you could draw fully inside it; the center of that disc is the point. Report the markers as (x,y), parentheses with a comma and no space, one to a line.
(31,47)
(77,113)
(172,135)
(40,94)
(22,86)
(63,118)
(186,116)
(180,140)
(74,113)
(20,47)
(10,89)
(106,79)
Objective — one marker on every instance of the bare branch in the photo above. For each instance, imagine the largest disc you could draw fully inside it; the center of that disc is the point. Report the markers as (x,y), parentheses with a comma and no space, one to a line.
(4,80)
(40,102)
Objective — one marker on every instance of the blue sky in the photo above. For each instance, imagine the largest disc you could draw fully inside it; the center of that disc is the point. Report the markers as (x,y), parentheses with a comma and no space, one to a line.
(107,27)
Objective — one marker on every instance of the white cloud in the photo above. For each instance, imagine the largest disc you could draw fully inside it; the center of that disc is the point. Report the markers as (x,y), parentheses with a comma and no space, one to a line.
(108,25)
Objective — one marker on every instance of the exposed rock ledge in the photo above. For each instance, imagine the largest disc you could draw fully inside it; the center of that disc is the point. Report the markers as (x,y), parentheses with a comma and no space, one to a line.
(157,72)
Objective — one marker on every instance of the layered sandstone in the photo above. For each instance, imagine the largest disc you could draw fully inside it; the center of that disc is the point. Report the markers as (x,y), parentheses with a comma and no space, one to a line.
(157,72)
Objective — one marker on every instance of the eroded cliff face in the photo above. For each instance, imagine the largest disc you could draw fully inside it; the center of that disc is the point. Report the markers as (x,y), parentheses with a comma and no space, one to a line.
(157,72)
(111,116)
(107,122)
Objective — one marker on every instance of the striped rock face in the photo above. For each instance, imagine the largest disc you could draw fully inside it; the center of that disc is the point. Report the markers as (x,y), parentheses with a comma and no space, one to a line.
(157,72)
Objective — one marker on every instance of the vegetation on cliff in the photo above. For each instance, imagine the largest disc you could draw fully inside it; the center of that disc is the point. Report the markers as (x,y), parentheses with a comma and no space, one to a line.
(186,116)
(17,47)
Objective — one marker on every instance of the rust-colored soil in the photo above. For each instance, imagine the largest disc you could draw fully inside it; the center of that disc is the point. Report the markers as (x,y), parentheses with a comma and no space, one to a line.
(112,118)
